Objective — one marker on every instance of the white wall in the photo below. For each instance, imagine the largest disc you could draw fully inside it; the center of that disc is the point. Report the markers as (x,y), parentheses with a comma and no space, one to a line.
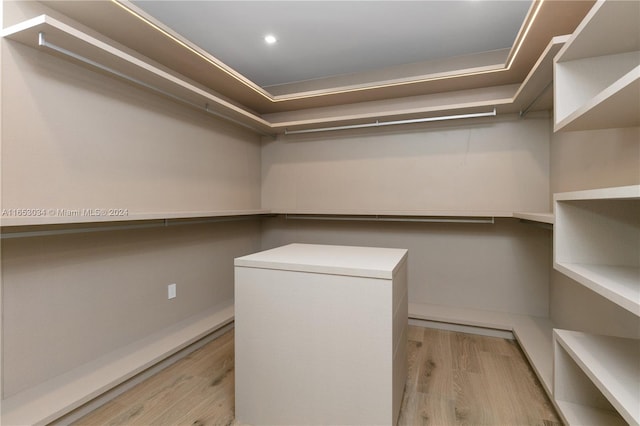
(73,138)
(494,165)
(501,267)
(595,159)
(480,166)
(70,299)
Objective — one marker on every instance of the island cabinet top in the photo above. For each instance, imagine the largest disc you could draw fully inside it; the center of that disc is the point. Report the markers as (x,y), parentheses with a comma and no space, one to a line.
(369,262)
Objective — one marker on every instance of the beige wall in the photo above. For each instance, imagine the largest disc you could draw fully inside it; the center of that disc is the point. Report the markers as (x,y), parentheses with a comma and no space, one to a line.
(589,160)
(73,138)
(575,307)
(72,298)
(501,267)
(493,165)
(595,159)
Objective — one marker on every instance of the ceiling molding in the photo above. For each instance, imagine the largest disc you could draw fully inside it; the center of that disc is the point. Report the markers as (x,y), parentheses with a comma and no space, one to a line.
(123,22)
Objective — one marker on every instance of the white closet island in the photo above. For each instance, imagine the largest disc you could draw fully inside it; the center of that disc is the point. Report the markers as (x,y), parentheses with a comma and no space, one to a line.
(320,335)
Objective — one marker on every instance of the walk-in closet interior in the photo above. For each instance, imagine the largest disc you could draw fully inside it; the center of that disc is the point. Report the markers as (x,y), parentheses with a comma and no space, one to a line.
(133,159)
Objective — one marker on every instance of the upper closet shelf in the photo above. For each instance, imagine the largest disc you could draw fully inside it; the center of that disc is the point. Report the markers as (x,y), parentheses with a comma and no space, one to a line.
(630,192)
(533,94)
(617,105)
(610,27)
(44,32)
(61,39)
(597,72)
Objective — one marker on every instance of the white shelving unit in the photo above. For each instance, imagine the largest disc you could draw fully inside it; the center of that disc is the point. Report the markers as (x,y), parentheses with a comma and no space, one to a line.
(597,232)
(597,72)
(596,378)
(597,242)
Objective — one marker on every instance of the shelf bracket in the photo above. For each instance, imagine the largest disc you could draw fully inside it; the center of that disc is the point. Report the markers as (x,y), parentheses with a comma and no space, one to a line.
(525,111)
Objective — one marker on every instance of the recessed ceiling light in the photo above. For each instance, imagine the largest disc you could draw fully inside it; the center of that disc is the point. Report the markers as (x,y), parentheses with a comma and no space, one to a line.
(270,39)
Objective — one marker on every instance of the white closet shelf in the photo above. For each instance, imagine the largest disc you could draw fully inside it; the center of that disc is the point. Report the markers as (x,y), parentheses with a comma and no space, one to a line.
(62,394)
(619,284)
(596,242)
(535,217)
(383,212)
(75,216)
(535,334)
(630,192)
(615,106)
(597,71)
(583,415)
(610,27)
(612,364)
(80,47)
(426,106)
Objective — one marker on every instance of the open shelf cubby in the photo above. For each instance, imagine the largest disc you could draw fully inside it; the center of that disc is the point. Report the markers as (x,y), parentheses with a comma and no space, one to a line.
(596,378)
(597,242)
(597,72)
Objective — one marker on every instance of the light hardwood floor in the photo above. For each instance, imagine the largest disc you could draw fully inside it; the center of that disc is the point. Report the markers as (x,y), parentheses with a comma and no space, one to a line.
(453,379)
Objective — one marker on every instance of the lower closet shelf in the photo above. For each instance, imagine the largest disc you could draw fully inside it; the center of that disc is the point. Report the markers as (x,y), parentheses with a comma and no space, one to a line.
(535,334)
(62,394)
(611,364)
(578,414)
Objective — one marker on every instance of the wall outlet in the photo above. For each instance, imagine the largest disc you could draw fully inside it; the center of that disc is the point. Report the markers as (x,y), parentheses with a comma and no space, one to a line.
(171,291)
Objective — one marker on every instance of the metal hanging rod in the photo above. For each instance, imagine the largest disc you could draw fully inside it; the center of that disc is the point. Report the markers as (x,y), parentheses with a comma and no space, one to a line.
(42,42)
(395,218)
(155,223)
(525,111)
(393,123)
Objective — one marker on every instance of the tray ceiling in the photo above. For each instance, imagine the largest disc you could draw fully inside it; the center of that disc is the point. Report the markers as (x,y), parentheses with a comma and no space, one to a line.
(391,77)
(319,39)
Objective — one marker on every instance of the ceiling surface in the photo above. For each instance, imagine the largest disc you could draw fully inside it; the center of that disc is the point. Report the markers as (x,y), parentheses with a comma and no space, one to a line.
(318,39)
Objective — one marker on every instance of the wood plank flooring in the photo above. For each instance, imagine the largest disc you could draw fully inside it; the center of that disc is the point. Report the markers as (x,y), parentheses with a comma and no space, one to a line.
(453,379)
